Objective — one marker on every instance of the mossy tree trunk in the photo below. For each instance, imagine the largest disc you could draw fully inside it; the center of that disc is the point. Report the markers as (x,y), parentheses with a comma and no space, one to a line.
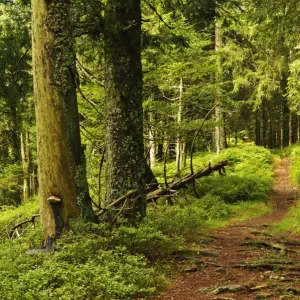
(58,137)
(126,165)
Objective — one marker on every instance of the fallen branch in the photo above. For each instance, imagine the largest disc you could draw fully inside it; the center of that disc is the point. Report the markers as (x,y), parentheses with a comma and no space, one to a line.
(188,179)
(5,229)
(116,202)
(168,191)
(20,225)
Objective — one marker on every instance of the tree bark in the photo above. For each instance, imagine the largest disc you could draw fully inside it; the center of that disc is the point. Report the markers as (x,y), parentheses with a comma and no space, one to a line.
(219,129)
(26,164)
(53,61)
(152,142)
(179,117)
(126,165)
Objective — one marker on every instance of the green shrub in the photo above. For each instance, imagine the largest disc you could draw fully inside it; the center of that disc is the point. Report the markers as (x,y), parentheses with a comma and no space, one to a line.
(294,153)
(86,265)
(146,239)
(233,187)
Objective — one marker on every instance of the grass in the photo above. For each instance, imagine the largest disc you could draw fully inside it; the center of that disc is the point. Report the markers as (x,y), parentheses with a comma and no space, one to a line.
(249,210)
(290,223)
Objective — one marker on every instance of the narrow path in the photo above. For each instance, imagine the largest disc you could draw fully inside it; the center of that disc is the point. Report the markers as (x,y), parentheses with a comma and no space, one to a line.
(242,261)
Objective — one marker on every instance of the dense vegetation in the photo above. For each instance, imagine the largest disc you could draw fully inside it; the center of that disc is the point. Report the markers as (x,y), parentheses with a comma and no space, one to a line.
(125,262)
(103,103)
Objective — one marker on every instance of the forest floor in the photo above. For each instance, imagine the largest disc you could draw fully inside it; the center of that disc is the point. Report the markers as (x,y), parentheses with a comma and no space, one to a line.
(244,260)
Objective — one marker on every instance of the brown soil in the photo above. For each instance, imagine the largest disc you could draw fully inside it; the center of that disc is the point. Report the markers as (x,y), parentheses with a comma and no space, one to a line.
(243,261)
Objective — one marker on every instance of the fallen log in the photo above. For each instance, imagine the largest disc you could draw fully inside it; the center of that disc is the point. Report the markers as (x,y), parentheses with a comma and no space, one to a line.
(173,187)
(186,180)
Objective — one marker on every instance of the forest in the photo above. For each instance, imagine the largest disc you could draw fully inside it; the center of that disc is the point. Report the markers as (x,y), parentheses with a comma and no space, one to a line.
(149,149)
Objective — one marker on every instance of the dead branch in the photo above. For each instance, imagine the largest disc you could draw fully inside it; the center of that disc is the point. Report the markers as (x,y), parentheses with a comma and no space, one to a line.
(20,225)
(116,202)
(168,191)
(5,230)
(183,182)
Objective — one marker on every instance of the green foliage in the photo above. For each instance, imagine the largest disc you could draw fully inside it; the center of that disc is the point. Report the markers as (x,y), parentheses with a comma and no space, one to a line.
(112,274)
(147,239)
(249,175)
(10,184)
(235,188)
(87,264)
(97,261)
(8,213)
(294,153)
(245,210)
(291,222)
(189,216)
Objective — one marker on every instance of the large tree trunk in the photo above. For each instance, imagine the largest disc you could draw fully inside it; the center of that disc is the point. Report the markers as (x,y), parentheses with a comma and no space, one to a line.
(126,164)
(53,62)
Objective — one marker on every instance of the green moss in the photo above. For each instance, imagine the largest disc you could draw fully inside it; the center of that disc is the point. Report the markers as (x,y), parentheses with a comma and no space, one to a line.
(63,47)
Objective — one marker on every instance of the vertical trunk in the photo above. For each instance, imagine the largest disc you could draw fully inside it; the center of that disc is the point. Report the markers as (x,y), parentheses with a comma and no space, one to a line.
(298,129)
(160,146)
(219,129)
(281,129)
(32,183)
(126,165)
(293,126)
(54,91)
(26,162)
(271,131)
(257,129)
(264,125)
(179,117)
(14,142)
(284,124)
(183,155)
(152,144)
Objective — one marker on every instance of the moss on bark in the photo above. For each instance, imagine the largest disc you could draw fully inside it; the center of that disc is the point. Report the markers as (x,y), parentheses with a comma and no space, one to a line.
(124,139)
(58,136)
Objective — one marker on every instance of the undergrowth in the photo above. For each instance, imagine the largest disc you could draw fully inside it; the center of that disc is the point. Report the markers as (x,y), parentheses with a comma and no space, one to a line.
(124,262)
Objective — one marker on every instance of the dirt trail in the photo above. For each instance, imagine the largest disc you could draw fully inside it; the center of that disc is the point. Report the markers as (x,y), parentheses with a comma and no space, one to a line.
(242,261)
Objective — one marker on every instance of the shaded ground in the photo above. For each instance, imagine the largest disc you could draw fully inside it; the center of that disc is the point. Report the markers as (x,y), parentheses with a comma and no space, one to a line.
(243,261)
